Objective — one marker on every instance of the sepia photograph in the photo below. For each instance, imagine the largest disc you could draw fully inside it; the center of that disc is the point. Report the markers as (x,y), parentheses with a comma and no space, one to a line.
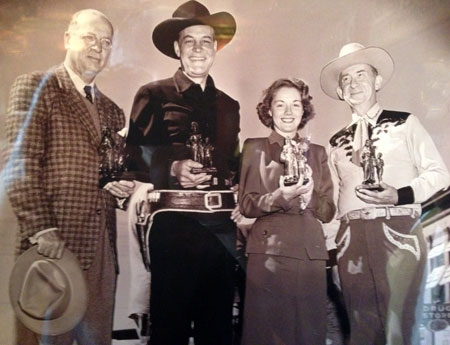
(258,172)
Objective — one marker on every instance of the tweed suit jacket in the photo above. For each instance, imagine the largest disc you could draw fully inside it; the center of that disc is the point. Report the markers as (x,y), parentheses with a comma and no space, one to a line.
(52,169)
(280,228)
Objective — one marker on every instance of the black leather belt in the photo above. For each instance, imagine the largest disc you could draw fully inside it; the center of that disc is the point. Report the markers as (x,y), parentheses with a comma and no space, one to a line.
(203,201)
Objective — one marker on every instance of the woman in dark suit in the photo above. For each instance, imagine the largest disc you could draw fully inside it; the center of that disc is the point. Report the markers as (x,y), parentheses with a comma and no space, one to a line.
(286,280)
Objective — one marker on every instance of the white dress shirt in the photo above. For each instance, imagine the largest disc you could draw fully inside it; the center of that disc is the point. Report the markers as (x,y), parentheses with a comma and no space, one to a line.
(79,83)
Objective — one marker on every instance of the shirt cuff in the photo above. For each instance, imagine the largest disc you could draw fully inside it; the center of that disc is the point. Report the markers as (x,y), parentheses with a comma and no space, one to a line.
(33,239)
(405,195)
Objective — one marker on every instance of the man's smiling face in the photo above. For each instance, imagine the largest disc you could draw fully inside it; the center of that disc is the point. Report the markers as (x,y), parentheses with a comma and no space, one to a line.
(358,85)
(196,48)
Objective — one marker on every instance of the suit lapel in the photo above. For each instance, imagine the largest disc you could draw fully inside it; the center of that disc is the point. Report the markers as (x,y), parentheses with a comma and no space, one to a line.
(76,103)
(270,167)
(275,152)
(104,115)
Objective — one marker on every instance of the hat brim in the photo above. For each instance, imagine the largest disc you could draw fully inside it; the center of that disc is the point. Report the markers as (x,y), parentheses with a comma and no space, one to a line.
(374,56)
(78,299)
(166,33)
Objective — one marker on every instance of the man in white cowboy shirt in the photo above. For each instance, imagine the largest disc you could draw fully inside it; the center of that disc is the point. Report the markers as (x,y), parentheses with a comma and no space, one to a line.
(380,244)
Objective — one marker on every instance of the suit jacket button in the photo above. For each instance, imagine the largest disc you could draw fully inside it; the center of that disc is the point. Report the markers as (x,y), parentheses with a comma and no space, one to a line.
(99,211)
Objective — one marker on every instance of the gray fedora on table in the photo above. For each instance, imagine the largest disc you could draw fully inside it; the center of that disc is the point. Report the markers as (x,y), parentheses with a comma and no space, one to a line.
(48,296)
(188,14)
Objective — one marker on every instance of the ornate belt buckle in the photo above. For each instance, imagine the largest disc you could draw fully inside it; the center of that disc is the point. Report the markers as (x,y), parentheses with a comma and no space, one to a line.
(368,213)
(213,201)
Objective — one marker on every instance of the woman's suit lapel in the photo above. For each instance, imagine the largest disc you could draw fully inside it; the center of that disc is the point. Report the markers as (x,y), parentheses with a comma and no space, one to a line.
(270,167)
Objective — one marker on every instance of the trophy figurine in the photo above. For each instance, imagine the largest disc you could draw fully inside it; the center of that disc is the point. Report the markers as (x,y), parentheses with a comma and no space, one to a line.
(294,161)
(372,165)
(201,151)
(112,158)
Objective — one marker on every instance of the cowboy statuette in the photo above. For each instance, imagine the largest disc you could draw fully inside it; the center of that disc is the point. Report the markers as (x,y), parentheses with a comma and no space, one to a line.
(201,151)
(112,158)
(372,165)
(294,161)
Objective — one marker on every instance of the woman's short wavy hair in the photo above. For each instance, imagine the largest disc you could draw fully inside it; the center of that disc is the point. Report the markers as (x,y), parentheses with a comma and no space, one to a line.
(263,107)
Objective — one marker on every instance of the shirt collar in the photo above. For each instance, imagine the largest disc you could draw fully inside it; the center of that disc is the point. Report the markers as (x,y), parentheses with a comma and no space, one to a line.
(78,82)
(182,82)
(371,115)
(277,138)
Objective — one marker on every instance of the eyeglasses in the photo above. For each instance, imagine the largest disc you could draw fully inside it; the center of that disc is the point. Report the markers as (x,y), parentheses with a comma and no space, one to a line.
(90,40)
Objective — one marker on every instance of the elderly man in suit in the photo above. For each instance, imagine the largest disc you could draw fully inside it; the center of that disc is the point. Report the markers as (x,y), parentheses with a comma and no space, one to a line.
(53,127)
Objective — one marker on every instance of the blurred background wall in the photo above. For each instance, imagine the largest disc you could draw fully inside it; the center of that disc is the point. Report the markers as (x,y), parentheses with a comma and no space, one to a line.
(274,38)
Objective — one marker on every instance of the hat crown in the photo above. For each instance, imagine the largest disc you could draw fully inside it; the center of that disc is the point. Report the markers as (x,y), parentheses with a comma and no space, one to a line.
(45,291)
(350,48)
(191,9)
(48,296)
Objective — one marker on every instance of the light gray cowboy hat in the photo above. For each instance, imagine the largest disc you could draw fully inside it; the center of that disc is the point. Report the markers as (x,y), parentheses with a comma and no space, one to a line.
(351,54)
(48,296)
(188,14)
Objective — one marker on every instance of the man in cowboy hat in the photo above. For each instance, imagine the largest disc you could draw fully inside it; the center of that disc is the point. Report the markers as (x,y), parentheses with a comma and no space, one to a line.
(53,128)
(192,253)
(381,248)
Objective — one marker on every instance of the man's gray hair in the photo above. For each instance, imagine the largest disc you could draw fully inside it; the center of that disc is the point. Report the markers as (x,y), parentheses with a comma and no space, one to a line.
(74,21)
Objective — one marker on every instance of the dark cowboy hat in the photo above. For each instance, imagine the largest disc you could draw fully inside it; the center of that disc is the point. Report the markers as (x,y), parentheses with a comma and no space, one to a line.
(48,296)
(188,14)
(352,54)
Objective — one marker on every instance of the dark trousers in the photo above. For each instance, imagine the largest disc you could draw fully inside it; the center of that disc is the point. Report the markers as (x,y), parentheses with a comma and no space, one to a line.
(192,280)
(381,264)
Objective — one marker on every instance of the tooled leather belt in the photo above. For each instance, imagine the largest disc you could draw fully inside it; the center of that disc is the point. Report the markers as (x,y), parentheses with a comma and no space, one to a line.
(203,201)
(377,212)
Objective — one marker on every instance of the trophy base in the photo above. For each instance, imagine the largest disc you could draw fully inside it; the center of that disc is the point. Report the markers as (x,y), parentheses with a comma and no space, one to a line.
(372,187)
(290,181)
(207,170)
(214,181)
